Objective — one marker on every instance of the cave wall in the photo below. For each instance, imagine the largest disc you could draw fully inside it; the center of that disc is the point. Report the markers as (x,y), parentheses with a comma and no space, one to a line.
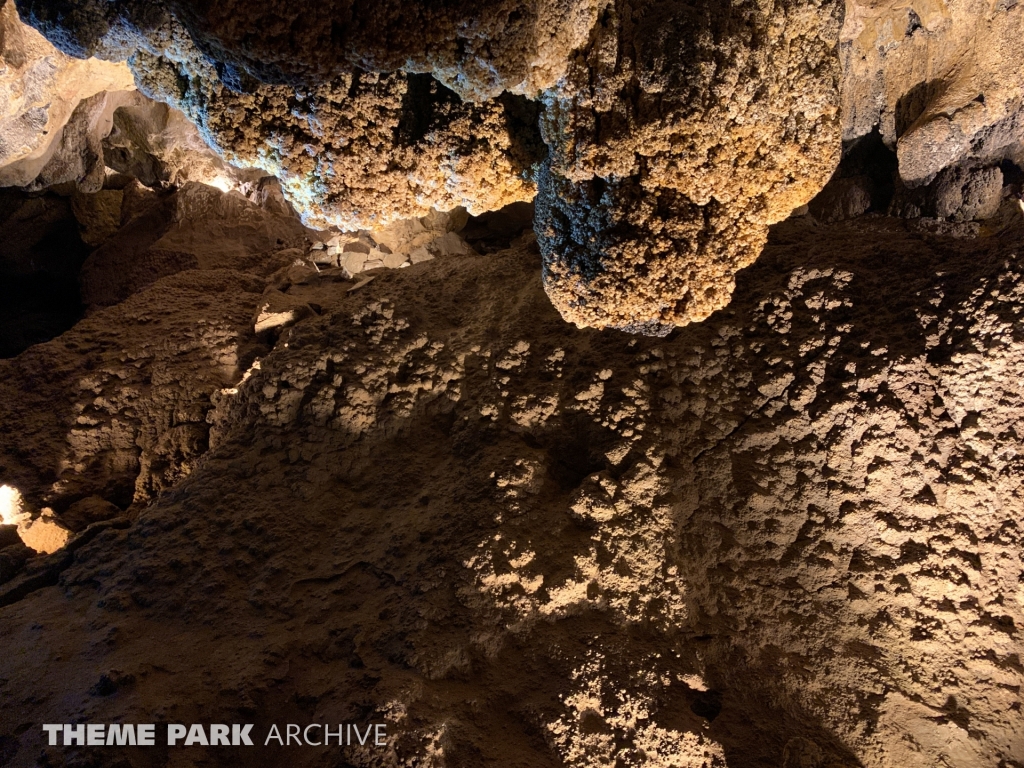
(769,515)
(787,535)
(660,139)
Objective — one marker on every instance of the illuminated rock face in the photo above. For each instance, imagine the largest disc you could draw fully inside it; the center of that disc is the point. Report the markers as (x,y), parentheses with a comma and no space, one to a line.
(40,87)
(788,535)
(658,119)
(363,150)
(673,134)
(939,78)
(679,135)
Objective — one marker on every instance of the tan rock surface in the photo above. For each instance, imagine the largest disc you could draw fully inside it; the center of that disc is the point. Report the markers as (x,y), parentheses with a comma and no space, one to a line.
(788,535)
(938,77)
(45,534)
(40,87)
(196,227)
(679,135)
(363,150)
(677,132)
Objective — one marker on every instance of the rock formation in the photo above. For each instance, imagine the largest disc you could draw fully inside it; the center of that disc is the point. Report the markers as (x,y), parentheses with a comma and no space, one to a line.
(786,533)
(40,87)
(938,79)
(678,137)
(561,383)
(683,158)
(673,134)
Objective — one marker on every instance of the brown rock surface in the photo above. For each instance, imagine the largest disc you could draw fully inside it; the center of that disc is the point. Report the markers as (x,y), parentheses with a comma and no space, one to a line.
(788,535)
(40,87)
(938,77)
(128,388)
(196,227)
(677,133)
(680,134)
(364,149)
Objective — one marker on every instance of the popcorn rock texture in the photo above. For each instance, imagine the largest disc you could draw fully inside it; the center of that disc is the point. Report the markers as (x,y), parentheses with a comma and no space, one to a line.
(660,138)
(272,474)
(658,184)
(680,134)
(788,535)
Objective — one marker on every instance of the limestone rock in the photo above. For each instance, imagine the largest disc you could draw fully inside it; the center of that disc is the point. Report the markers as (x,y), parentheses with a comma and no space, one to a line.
(678,136)
(362,150)
(841,199)
(400,244)
(98,214)
(509,538)
(40,88)
(157,145)
(84,512)
(45,534)
(970,194)
(938,77)
(197,227)
(496,230)
(478,48)
(124,396)
(69,121)
(958,194)
(278,310)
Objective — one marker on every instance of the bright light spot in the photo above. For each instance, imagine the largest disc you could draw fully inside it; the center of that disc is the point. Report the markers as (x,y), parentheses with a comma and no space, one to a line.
(1021,204)
(10,505)
(245,377)
(223,183)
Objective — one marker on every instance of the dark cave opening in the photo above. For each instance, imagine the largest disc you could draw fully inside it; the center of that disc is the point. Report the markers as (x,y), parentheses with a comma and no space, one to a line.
(41,254)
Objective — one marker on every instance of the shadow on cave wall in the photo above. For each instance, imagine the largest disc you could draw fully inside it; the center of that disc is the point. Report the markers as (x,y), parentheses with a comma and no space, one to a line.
(41,254)
(900,284)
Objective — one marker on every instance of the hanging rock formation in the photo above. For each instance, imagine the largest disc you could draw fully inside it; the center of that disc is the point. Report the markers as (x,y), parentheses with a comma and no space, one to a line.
(680,134)
(673,134)
(260,473)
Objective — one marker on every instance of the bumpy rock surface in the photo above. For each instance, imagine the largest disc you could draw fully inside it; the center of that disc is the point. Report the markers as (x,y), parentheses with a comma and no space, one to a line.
(181,282)
(677,133)
(680,134)
(658,118)
(478,48)
(788,535)
(364,149)
(196,227)
(65,121)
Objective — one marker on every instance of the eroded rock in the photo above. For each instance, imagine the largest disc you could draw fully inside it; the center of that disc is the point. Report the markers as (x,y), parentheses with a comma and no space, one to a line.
(364,149)
(676,133)
(679,136)
(196,227)
(787,535)
(938,78)
(40,88)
